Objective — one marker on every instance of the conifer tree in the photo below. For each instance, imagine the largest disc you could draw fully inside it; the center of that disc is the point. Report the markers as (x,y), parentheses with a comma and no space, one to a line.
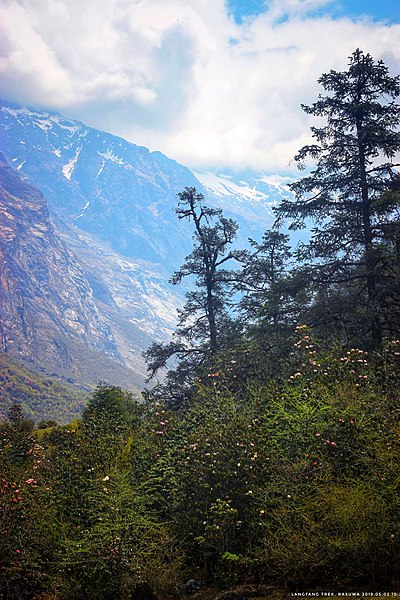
(264,277)
(203,321)
(274,300)
(341,196)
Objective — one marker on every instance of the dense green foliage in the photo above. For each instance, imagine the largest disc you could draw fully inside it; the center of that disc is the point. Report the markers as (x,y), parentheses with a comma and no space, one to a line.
(294,484)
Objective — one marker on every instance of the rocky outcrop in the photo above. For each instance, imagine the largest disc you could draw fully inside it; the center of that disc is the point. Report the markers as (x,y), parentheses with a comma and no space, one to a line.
(47,311)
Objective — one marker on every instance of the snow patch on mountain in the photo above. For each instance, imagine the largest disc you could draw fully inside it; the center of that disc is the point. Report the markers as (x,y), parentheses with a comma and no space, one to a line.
(247,196)
(109,155)
(223,185)
(16,112)
(82,213)
(70,166)
(251,188)
(277,181)
(72,127)
(43,120)
(44,124)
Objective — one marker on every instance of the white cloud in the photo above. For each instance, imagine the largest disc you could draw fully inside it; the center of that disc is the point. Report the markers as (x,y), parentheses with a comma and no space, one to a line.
(278,9)
(181,76)
(30,69)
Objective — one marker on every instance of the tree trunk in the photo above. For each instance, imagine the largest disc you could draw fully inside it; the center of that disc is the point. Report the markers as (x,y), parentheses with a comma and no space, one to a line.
(211,317)
(370,258)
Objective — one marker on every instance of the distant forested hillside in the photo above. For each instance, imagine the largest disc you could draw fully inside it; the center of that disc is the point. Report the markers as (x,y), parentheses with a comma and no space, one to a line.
(41,396)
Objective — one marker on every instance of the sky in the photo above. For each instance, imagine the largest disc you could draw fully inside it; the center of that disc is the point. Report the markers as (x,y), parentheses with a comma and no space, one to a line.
(214,84)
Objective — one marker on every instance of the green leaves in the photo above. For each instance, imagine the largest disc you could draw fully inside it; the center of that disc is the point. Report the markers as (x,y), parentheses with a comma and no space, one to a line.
(293,481)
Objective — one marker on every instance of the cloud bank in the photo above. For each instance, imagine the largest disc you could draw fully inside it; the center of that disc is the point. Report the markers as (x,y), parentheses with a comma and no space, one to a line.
(181,76)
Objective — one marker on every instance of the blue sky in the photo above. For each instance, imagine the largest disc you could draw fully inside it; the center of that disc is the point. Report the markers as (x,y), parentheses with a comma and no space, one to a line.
(386,10)
(377,9)
(211,83)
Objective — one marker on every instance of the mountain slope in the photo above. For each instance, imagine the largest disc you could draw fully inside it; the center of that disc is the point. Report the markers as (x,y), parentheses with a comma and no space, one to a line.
(46,303)
(247,196)
(134,295)
(124,194)
(104,185)
(247,192)
(41,396)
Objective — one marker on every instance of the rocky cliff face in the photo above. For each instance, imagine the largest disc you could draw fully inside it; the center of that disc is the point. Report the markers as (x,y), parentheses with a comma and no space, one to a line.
(46,303)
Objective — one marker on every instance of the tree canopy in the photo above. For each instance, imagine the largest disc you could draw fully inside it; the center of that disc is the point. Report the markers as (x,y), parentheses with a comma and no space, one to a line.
(355,229)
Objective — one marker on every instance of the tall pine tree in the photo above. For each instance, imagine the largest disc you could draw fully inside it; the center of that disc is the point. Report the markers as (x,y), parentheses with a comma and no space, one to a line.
(204,323)
(342,195)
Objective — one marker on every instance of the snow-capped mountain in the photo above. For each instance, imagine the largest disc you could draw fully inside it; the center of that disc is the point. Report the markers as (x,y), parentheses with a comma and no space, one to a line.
(100,183)
(246,188)
(114,205)
(124,193)
(247,196)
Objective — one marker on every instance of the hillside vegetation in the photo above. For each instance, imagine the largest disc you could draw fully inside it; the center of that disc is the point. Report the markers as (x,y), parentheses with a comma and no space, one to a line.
(293,485)
(41,396)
